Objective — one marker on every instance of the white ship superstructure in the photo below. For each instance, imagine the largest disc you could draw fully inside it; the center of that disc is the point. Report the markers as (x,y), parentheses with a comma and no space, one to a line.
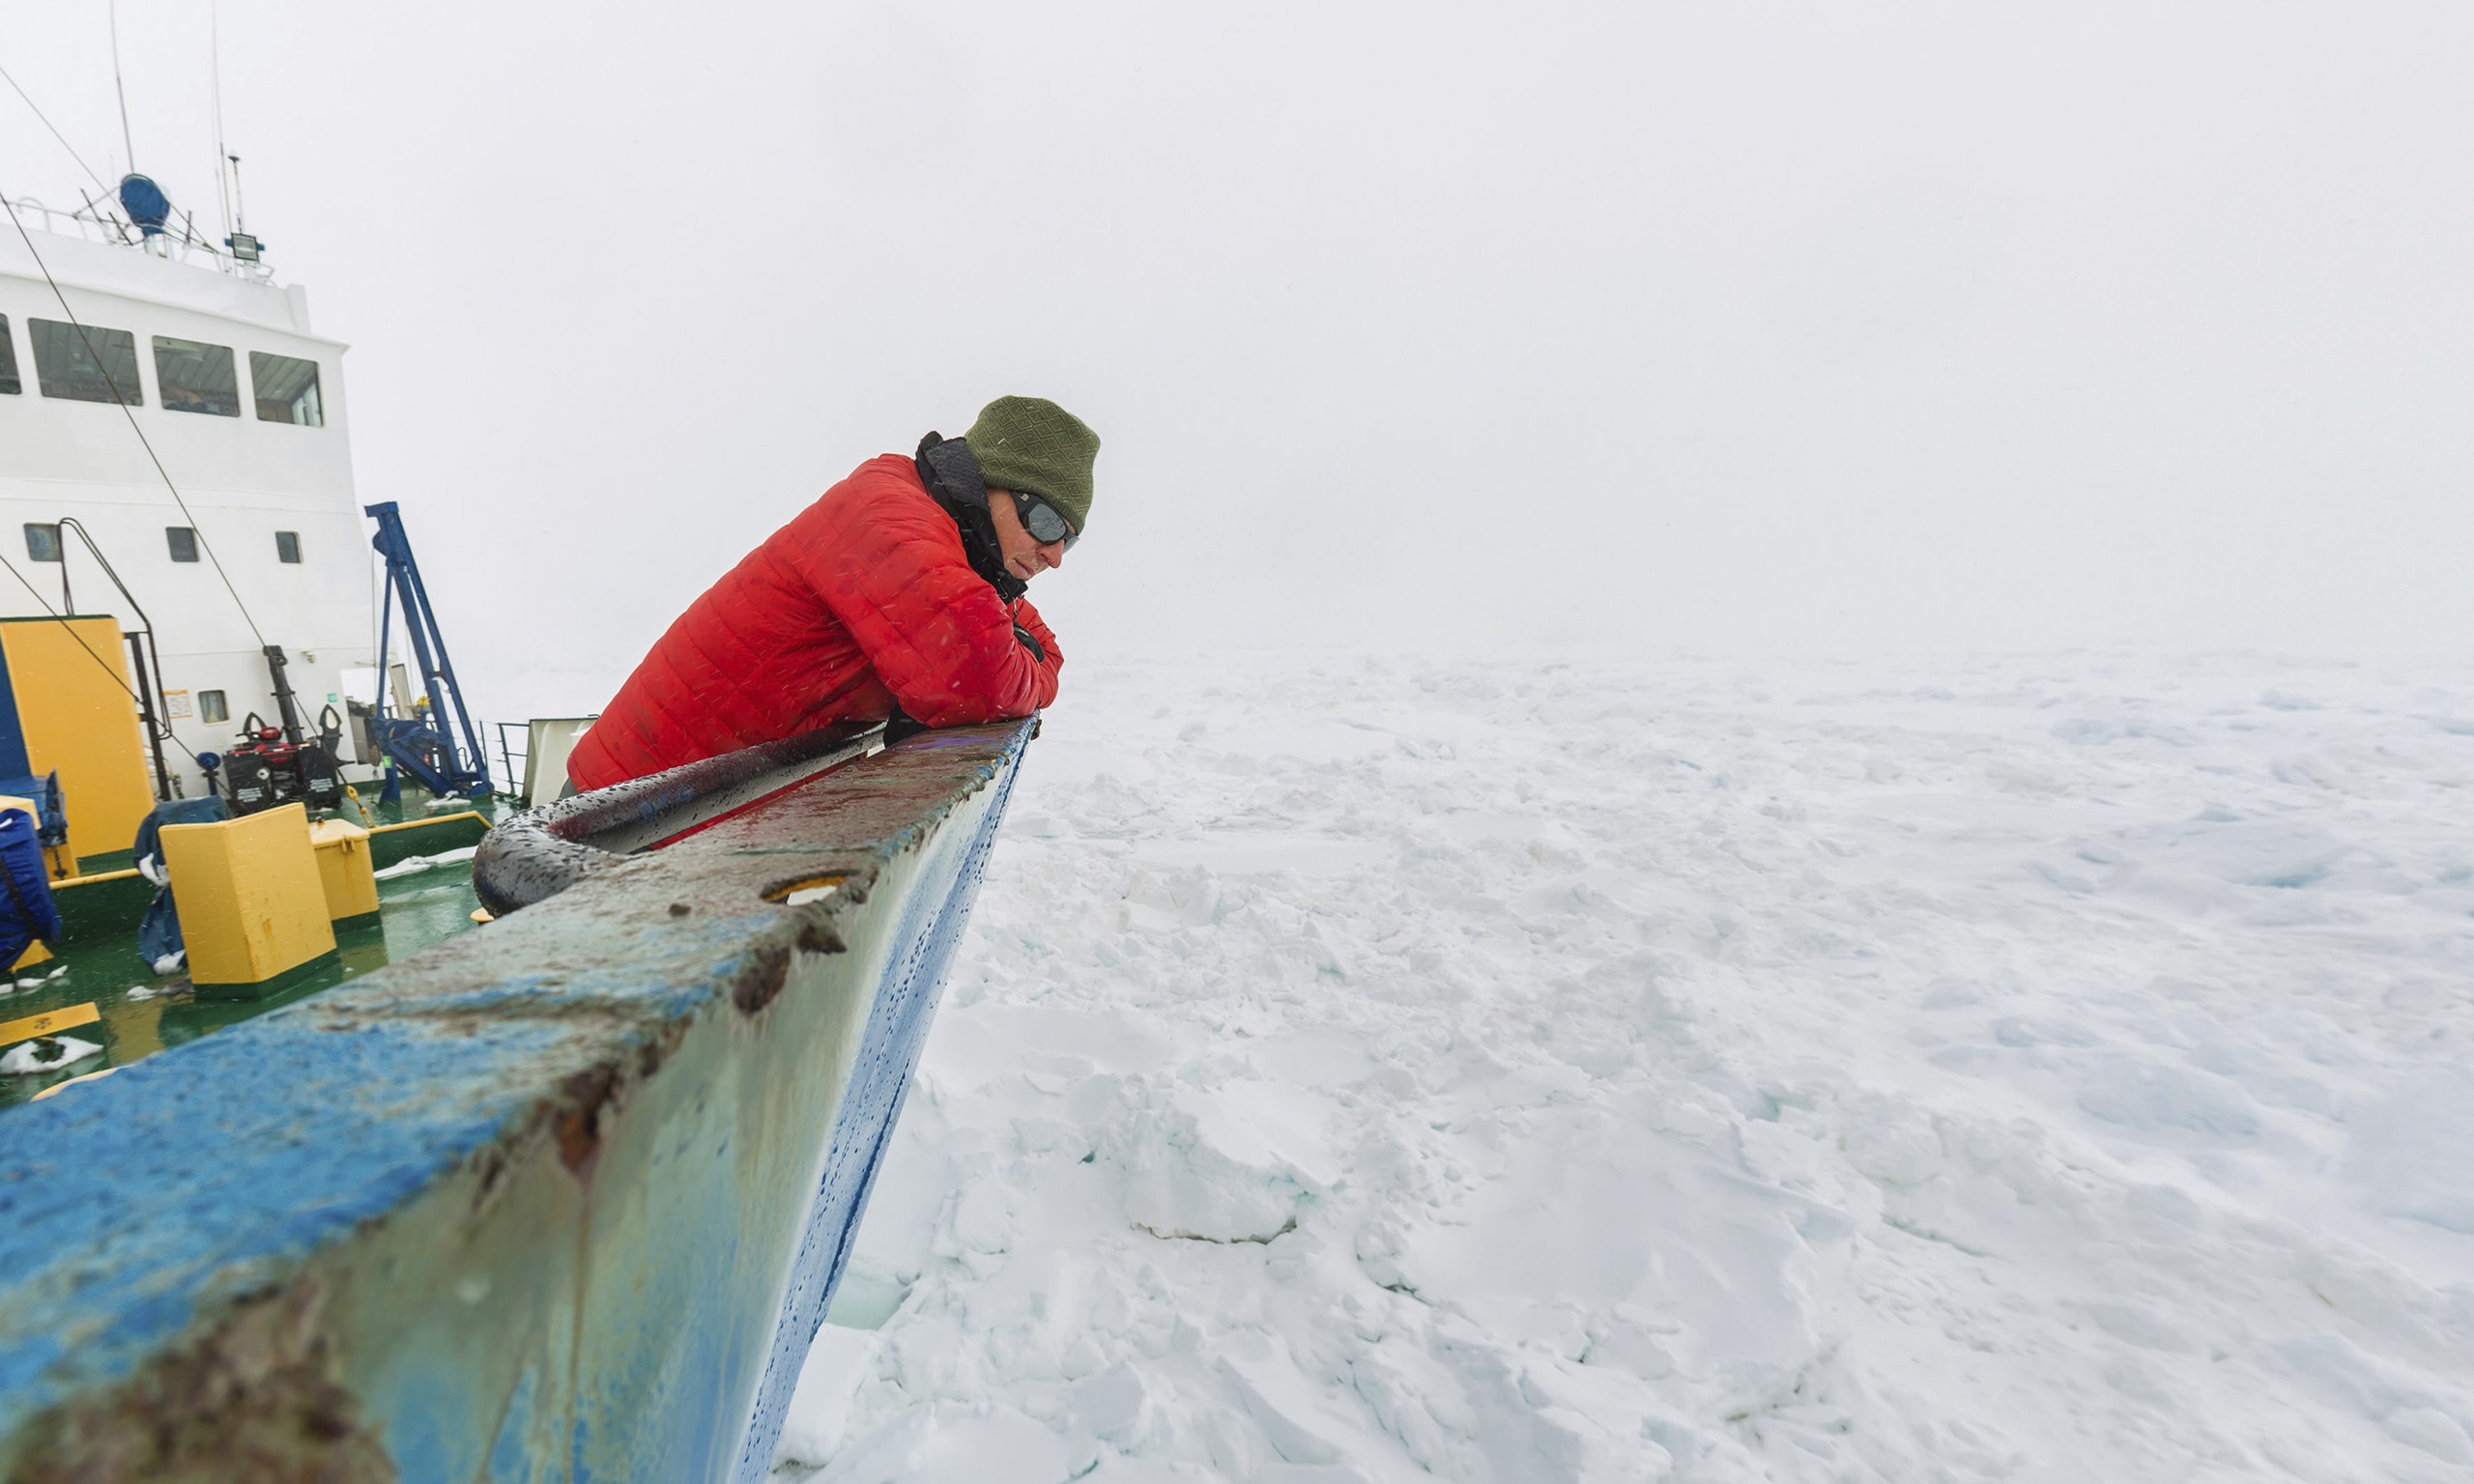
(242,406)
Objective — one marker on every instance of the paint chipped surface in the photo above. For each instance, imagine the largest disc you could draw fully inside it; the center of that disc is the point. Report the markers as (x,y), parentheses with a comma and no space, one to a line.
(600,1107)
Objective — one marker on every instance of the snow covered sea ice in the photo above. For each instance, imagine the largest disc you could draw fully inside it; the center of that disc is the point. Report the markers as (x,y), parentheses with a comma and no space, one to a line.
(2025,1069)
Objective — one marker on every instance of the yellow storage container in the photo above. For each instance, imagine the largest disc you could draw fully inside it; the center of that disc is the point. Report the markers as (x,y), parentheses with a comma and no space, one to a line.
(252,904)
(71,710)
(345,869)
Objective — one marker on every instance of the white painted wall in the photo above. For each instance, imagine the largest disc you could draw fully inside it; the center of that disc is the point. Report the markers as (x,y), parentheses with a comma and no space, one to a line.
(243,481)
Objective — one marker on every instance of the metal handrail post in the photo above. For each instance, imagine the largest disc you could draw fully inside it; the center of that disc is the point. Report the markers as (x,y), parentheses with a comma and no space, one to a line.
(158,717)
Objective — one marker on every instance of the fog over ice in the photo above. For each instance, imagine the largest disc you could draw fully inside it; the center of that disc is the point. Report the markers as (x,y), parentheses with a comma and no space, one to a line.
(1440,326)
(1542,329)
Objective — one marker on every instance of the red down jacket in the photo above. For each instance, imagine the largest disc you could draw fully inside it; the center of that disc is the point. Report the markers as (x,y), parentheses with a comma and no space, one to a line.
(864,599)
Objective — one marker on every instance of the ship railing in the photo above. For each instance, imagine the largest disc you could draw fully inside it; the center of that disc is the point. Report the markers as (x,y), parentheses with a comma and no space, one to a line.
(96,222)
(543,851)
(515,754)
(568,1196)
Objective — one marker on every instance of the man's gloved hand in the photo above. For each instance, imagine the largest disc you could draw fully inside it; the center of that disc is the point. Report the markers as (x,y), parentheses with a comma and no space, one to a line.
(1030,642)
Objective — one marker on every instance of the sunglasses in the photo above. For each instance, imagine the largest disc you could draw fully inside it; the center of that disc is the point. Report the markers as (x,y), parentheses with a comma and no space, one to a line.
(1043,520)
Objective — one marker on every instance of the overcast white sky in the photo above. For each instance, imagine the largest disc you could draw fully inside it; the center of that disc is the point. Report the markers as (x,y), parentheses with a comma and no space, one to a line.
(1406,325)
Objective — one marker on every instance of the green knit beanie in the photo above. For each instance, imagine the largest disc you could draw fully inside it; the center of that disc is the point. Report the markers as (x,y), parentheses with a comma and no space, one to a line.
(1032,444)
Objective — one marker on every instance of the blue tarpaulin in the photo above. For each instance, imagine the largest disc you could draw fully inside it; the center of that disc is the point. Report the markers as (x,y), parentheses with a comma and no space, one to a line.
(26,910)
(43,793)
(159,935)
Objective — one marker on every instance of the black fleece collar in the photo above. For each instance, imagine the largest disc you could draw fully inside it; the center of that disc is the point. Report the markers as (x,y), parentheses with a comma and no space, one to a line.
(951,472)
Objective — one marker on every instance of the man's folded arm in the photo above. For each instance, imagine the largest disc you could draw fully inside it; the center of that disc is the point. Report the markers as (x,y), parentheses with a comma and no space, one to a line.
(1052,658)
(934,631)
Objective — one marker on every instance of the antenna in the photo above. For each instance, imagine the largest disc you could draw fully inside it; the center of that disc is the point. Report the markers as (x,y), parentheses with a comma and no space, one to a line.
(245,247)
(118,87)
(215,68)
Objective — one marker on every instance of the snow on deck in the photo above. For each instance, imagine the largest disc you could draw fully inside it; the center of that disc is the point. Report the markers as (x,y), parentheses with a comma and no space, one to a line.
(2038,1069)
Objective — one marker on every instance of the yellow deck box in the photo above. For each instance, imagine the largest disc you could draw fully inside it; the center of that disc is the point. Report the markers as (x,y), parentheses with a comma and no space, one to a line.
(345,869)
(253,908)
(67,707)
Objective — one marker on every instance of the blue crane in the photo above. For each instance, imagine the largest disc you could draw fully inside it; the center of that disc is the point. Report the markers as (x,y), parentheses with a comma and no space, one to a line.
(425,747)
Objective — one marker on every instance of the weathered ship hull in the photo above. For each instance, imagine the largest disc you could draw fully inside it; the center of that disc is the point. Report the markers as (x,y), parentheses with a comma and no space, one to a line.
(561,1199)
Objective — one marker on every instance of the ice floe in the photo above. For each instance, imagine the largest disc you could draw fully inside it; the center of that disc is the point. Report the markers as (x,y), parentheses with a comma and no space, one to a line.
(412,865)
(2048,1067)
(45,1055)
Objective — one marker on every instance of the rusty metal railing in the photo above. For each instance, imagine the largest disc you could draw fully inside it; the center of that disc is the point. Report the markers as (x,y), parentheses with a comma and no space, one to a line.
(543,851)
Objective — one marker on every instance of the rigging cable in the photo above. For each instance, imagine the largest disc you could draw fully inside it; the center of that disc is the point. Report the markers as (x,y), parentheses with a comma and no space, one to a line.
(127,412)
(56,133)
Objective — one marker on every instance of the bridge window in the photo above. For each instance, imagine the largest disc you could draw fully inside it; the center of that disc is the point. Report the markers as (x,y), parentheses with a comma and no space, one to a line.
(184,542)
(43,542)
(287,389)
(86,365)
(211,708)
(287,547)
(192,376)
(9,383)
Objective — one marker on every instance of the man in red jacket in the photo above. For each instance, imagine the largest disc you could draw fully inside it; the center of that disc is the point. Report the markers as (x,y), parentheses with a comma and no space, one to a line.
(898,592)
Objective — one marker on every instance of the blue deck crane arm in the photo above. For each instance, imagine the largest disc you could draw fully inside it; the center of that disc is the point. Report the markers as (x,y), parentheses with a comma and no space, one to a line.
(426,748)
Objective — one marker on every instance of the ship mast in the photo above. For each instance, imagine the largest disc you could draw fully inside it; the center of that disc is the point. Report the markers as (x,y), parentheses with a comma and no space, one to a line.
(126,142)
(214,70)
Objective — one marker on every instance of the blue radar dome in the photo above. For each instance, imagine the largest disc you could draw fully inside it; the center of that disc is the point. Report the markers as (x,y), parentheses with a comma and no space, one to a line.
(146,204)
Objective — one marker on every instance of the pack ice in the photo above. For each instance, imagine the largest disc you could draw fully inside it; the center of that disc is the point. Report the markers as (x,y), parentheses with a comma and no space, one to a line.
(1360,1069)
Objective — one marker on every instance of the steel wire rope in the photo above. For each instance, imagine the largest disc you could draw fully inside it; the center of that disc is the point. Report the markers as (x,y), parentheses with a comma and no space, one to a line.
(130,413)
(56,133)
(162,725)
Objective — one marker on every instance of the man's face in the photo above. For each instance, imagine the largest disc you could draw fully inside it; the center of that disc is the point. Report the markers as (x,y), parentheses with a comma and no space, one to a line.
(1024,558)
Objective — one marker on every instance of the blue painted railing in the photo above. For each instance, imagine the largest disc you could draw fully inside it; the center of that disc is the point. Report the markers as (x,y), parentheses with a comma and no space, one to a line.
(565,1198)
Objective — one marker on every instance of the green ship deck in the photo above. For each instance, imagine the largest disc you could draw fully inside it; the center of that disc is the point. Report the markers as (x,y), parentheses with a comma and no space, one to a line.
(144,1012)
